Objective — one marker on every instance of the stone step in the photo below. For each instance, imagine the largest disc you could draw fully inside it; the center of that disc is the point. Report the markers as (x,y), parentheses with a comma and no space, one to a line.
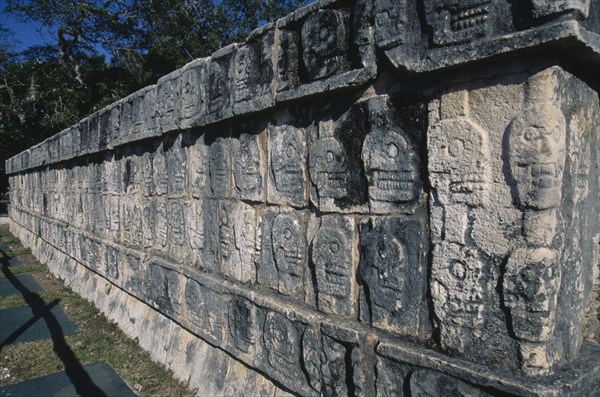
(33,323)
(19,285)
(97,379)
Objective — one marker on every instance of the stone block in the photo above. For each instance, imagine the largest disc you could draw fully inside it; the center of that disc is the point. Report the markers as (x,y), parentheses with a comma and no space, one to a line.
(393,274)
(283,262)
(219,159)
(288,171)
(163,289)
(249,167)
(204,310)
(218,82)
(192,93)
(237,240)
(254,72)
(199,168)
(177,167)
(333,261)
(167,91)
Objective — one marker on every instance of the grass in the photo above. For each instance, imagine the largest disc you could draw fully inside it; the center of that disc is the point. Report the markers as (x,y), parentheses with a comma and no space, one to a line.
(98,339)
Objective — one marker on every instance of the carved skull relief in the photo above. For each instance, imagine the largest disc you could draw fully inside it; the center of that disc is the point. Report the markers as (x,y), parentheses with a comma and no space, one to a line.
(324,43)
(219,167)
(531,286)
(287,161)
(327,162)
(242,323)
(281,342)
(248,178)
(459,160)
(332,257)
(536,141)
(190,96)
(216,86)
(390,166)
(289,246)
(383,270)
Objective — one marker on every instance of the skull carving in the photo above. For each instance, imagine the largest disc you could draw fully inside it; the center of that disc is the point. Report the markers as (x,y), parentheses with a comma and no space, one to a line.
(281,342)
(383,270)
(247,170)
(333,264)
(531,286)
(391,167)
(244,73)
(216,86)
(289,245)
(327,162)
(219,167)
(536,141)
(289,154)
(190,97)
(459,156)
(324,43)
(458,21)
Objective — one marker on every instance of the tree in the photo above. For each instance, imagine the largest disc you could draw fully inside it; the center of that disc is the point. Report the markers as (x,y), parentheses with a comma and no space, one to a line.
(48,87)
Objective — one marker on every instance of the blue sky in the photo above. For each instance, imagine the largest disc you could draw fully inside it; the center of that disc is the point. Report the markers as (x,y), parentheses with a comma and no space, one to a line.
(25,34)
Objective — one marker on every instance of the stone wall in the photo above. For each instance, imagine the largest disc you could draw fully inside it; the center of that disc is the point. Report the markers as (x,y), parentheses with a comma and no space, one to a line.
(366,197)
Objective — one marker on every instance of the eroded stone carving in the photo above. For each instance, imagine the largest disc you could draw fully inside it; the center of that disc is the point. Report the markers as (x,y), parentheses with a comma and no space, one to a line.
(457,22)
(392,273)
(159,167)
(457,288)
(247,157)
(162,289)
(204,308)
(537,155)
(161,225)
(324,43)
(288,163)
(327,162)
(242,323)
(332,259)
(199,169)
(289,249)
(217,85)
(531,286)
(459,154)
(168,94)
(237,230)
(220,168)
(176,169)
(147,175)
(390,166)
(334,368)
(191,93)
(282,343)
(536,150)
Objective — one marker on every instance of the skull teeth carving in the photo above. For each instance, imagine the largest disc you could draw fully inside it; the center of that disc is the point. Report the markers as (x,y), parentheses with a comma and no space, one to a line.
(468,18)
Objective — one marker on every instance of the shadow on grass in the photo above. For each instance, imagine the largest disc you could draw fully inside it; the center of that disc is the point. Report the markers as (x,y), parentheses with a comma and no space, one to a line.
(82,382)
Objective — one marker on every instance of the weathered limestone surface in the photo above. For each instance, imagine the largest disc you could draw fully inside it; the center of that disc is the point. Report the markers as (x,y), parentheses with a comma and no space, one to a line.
(366,197)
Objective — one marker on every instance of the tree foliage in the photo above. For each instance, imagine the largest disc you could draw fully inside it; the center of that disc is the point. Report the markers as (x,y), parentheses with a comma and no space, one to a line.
(103,50)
